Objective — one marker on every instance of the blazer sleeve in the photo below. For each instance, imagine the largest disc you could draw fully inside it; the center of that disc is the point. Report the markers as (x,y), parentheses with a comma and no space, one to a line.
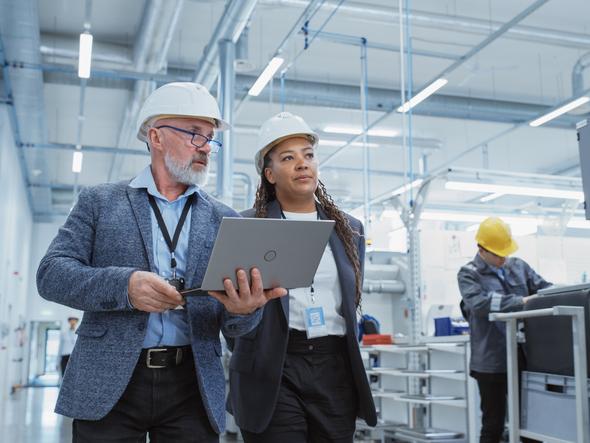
(234,325)
(66,275)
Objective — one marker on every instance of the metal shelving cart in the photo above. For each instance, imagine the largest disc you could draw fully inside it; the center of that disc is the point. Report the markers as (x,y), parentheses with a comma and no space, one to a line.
(580,371)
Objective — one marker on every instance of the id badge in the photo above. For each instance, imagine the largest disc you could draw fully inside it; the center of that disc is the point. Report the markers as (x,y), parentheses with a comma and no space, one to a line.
(315,323)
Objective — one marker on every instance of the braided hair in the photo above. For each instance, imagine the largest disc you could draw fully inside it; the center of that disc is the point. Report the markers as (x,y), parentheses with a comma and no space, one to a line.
(266,193)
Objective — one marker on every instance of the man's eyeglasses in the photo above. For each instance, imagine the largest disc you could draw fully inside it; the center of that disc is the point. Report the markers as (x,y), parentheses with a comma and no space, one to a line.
(197,140)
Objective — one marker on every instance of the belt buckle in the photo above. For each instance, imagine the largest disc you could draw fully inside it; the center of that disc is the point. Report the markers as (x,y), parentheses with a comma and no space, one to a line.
(149,358)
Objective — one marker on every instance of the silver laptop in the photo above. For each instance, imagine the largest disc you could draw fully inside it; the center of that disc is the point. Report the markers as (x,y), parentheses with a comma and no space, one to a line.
(287,252)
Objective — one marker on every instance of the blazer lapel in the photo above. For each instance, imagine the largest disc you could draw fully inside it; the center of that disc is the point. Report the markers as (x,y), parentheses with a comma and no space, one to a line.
(345,275)
(274,211)
(141,210)
(201,238)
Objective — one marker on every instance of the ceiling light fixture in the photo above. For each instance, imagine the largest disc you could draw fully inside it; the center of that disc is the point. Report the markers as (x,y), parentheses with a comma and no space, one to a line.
(518,225)
(407,187)
(490,197)
(356,130)
(423,95)
(266,75)
(85,55)
(514,190)
(578,223)
(339,143)
(77,162)
(559,111)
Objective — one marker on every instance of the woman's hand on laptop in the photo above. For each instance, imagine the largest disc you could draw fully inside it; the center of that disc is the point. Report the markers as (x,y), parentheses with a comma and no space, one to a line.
(246,298)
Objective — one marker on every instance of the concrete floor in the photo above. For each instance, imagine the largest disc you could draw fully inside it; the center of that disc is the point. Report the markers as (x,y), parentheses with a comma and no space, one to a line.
(30,418)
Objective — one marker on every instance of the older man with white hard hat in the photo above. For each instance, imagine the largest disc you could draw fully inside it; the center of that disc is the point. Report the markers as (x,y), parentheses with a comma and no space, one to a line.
(147,360)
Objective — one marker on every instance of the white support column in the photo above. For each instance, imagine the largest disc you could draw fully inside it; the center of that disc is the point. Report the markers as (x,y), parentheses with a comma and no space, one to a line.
(225,97)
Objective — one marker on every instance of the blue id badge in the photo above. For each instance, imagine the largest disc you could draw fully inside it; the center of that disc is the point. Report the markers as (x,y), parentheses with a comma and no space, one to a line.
(315,323)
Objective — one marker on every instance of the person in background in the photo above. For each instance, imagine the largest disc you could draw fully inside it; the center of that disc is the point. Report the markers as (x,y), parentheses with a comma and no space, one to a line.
(67,340)
(146,361)
(298,376)
(494,282)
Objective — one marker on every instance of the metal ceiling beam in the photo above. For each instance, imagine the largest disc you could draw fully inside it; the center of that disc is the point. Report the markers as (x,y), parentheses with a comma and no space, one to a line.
(144,153)
(358,41)
(232,22)
(311,8)
(158,25)
(311,93)
(490,39)
(451,22)
(470,54)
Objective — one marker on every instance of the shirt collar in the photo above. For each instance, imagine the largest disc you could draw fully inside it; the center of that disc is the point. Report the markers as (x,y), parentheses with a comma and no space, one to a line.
(482,265)
(145,179)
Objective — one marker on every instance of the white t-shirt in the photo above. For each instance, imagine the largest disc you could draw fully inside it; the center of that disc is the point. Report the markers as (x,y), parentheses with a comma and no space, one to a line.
(327,291)
(67,341)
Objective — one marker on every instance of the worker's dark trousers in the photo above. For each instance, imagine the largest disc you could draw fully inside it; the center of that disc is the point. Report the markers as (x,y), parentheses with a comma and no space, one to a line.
(493,390)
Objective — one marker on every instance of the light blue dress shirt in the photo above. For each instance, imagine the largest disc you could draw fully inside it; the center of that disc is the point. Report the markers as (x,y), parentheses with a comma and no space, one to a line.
(500,271)
(168,328)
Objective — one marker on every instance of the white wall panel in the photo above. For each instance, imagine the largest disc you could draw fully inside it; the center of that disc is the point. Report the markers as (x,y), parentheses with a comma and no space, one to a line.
(15,242)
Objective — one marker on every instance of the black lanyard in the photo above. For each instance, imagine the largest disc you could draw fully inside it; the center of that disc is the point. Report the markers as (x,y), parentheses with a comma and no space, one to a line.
(171,242)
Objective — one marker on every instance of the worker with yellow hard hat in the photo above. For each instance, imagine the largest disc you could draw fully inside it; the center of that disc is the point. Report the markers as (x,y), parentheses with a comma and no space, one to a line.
(493,282)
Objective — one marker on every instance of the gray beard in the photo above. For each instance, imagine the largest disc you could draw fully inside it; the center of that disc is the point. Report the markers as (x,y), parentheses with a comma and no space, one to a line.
(185,173)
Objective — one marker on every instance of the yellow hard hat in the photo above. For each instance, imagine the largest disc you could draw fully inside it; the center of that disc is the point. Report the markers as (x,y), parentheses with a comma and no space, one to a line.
(495,236)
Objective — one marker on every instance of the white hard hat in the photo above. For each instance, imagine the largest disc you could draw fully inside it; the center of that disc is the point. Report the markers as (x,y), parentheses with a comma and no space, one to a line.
(179,99)
(278,128)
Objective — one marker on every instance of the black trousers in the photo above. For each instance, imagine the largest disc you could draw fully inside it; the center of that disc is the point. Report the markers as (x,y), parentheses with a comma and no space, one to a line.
(164,403)
(63,363)
(493,391)
(317,398)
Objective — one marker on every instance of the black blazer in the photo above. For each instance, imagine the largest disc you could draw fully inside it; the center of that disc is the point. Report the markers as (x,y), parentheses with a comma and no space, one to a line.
(256,365)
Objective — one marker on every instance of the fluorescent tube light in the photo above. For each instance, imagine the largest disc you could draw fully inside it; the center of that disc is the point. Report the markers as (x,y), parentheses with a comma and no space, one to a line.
(518,225)
(266,75)
(85,55)
(423,95)
(579,223)
(342,142)
(514,190)
(77,162)
(452,217)
(490,197)
(356,130)
(407,187)
(559,111)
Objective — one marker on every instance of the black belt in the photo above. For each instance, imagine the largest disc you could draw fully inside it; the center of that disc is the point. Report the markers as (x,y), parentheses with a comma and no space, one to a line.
(158,358)
(300,344)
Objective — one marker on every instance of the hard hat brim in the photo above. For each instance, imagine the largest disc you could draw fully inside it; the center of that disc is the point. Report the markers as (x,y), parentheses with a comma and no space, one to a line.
(220,125)
(504,252)
(262,152)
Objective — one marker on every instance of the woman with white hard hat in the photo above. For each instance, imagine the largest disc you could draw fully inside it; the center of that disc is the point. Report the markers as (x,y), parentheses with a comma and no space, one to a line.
(293,379)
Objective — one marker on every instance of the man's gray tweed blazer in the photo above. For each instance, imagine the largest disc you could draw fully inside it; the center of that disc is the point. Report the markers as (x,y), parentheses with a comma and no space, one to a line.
(106,237)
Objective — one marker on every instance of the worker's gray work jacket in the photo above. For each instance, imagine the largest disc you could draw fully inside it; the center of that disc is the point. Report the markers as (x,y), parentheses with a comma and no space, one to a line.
(484,291)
